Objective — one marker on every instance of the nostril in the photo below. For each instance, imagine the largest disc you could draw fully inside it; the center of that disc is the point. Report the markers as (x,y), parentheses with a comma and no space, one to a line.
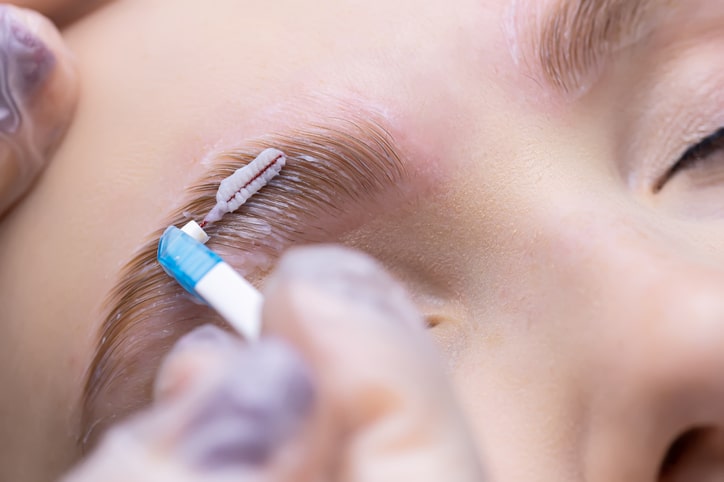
(697,455)
(677,451)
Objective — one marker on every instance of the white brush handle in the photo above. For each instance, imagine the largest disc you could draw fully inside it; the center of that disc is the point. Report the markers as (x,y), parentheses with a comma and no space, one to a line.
(234,298)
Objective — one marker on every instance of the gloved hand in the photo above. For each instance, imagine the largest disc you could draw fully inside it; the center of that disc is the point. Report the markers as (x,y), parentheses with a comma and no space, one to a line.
(38,94)
(344,387)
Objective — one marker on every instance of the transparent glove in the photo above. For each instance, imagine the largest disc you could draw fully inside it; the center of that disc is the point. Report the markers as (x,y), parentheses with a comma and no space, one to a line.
(38,94)
(345,387)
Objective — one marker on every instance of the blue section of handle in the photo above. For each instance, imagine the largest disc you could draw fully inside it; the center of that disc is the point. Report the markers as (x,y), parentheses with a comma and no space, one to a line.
(184,258)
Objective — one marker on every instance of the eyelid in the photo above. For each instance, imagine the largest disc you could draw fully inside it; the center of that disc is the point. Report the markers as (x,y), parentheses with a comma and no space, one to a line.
(702,149)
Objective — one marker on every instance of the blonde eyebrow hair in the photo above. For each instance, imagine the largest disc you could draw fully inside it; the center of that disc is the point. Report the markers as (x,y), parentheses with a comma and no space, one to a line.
(569,43)
(328,170)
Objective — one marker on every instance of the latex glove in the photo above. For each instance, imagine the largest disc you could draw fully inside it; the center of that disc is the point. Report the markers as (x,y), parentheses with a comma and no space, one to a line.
(38,94)
(346,388)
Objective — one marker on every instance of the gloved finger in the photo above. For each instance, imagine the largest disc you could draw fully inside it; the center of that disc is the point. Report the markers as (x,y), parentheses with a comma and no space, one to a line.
(367,402)
(383,398)
(222,411)
(38,94)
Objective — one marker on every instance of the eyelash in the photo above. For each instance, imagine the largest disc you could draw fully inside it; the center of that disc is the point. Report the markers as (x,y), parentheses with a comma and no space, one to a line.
(695,154)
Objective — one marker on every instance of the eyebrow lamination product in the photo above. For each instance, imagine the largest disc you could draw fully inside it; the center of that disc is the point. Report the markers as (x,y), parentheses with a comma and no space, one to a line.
(204,274)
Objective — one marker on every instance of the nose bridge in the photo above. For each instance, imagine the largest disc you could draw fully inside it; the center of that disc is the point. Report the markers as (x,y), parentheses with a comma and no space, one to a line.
(666,314)
(682,346)
(654,348)
(665,300)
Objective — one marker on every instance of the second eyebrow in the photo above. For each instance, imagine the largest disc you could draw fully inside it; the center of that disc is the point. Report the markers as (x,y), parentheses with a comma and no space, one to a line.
(574,38)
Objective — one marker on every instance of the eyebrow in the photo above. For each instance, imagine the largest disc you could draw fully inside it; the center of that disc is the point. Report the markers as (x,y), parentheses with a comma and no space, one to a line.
(572,41)
(335,175)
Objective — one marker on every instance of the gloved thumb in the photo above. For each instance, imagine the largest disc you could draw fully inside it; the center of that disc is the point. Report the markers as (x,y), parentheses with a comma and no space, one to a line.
(38,94)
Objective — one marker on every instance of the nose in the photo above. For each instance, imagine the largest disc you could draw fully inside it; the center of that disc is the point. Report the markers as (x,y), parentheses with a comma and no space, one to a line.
(656,406)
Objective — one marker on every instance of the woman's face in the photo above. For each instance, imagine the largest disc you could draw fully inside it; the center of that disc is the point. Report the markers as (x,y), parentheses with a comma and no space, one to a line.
(559,216)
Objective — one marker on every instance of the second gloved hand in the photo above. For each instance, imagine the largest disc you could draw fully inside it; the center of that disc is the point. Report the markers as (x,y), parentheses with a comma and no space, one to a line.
(38,94)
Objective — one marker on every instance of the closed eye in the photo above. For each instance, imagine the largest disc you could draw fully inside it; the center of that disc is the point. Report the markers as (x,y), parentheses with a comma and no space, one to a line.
(701,155)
